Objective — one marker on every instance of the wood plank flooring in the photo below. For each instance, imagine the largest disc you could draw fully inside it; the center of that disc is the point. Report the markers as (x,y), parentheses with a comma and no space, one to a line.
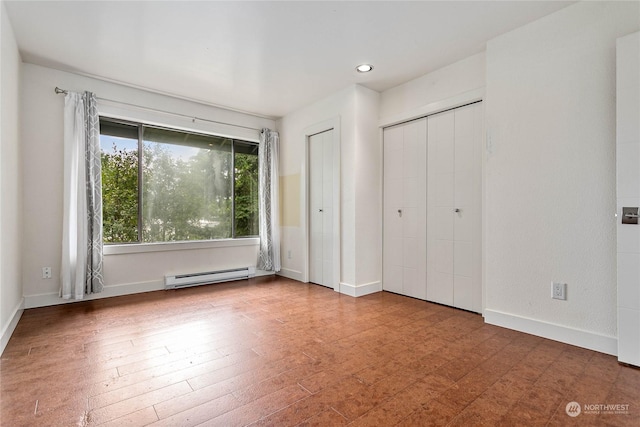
(275,352)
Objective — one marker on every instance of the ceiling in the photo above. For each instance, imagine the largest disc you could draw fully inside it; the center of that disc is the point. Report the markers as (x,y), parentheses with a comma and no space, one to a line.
(268,57)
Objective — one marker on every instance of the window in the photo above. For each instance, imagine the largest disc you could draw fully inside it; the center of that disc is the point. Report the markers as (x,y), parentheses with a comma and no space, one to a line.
(164,185)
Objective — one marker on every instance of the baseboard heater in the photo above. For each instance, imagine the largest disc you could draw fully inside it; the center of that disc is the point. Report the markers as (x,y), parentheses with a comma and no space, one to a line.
(196,279)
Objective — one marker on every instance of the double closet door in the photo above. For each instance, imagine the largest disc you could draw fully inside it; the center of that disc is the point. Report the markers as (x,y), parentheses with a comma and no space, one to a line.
(432,208)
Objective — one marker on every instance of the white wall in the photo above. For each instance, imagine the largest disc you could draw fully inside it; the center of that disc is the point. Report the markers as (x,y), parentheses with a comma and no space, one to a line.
(42,139)
(367,167)
(357,110)
(409,99)
(10,183)
(550,173)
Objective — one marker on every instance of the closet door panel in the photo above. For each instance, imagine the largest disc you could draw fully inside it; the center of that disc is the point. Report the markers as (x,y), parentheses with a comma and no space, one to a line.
(410,252)
(393,223)
(464,153)
(462,256)
(444,142)
(315,202)
(463,292)
(463,224)
(443,256)
(463,188)
(410,222)
(327,170)
(440,198)
(392,277)
(321,208)
(404,186)
(442,217)
(393,190)
(453,200)
(443,293)
(411,192)
(411,161)
(445,186)
(393,263)
(411,283)
(393,194)
(393,164)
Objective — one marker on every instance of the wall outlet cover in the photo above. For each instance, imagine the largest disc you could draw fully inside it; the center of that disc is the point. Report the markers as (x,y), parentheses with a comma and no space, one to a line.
(558,290)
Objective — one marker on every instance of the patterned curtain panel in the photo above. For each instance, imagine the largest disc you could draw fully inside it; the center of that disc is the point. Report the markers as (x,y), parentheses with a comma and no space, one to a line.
(269,257)
(81,267)
(94,280)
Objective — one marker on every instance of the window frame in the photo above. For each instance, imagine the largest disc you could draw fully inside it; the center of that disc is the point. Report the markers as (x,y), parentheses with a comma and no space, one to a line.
(128,247)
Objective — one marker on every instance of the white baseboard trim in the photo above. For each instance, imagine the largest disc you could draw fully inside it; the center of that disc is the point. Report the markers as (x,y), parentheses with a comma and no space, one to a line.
(585,339)
(360,290)
(45,300)
(7,331)
(290,274)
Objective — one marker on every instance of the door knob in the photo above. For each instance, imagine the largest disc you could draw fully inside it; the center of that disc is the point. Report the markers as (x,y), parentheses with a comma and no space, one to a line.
(319,210)
(456,210)
(399,212)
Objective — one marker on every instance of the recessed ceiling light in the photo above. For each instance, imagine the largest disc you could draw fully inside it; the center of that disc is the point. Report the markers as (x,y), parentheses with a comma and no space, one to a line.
(364,68)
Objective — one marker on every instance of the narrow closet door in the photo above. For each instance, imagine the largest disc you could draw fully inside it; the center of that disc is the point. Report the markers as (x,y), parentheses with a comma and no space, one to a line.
(404,235)
(467,223)
(454,208)
(321,208)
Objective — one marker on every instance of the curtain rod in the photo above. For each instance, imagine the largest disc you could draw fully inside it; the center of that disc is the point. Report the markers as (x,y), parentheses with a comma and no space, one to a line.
(59,91)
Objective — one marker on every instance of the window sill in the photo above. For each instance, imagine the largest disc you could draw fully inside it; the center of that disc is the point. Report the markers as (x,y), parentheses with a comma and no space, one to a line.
(137,248)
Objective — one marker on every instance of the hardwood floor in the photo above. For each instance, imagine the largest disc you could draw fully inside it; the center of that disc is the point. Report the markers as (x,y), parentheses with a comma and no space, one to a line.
(275,352)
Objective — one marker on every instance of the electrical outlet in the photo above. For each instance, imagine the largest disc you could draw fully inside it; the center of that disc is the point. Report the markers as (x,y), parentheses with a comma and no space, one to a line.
(46,272)
(559,290)
(289,254)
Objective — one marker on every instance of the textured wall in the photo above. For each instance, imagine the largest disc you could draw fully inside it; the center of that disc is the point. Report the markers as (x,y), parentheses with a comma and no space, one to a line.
(10,182)
(462,76)
(550,169)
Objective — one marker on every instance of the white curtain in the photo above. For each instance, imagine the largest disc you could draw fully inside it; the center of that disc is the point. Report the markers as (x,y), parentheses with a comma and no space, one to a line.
(81,268)
(269,257)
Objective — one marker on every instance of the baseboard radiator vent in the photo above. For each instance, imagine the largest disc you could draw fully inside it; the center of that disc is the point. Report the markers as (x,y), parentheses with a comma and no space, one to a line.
(196,279)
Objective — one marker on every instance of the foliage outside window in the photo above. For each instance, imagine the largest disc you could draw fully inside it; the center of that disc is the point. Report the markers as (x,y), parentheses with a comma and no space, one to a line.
(164,185)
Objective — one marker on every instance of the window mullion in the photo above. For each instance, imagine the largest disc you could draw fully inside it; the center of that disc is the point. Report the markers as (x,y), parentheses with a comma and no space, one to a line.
(140,183)
(233,189)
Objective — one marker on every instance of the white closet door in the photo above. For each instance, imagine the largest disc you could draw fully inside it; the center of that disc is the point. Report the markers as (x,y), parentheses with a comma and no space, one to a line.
(628,195)
(321,208)
(454,208)
(404,236)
